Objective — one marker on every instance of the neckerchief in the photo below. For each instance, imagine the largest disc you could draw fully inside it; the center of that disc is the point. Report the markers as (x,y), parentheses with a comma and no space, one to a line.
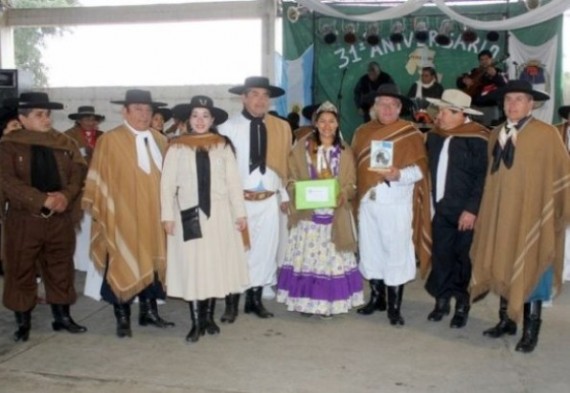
(203,170)
(504,149)
(44,170)
(257,142)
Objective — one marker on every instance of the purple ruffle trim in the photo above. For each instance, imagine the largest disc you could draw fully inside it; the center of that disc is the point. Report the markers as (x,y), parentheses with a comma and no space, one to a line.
(322,219)
(319,287)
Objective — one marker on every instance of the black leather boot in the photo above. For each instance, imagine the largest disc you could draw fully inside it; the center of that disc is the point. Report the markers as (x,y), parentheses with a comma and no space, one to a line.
(231,311)
(531,327)
(461,314)
(123,316)
(395,304)
(377,300)
(24,322)
(440,310)
(254,305)
(63,321)
(505,325)
(148,314)
(210,306)
(194,333)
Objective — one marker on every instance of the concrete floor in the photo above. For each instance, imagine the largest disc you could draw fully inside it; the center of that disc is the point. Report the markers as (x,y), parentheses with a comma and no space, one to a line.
(288,353)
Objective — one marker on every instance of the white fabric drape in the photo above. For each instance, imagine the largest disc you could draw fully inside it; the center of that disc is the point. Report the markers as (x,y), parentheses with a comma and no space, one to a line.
(545,53)
(392,13)
(531,18)
(536,16)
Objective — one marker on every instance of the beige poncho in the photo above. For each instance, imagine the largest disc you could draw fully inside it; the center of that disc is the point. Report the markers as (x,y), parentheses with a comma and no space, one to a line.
(125,204)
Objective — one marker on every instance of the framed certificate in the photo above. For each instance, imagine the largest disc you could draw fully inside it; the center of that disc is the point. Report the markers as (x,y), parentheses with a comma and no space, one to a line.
(381,155)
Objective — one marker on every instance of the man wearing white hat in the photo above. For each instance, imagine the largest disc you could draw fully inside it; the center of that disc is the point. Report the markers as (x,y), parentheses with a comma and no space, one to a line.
(457,151)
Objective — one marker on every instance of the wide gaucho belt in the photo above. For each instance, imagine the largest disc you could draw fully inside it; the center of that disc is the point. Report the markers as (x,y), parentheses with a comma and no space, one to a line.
(257,195)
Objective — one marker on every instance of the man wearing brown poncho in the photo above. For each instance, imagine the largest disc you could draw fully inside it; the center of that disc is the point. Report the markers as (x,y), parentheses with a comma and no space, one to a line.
(519,236)
(122,192)
(394,212)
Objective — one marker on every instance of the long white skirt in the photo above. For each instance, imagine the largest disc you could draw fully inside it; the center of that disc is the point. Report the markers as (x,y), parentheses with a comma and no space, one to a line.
(93,279)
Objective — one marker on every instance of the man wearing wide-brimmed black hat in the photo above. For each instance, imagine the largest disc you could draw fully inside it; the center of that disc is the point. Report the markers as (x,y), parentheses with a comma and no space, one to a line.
(518,242)
(262,145)
(42,173)
(122,194)
(85,131)
(399,193)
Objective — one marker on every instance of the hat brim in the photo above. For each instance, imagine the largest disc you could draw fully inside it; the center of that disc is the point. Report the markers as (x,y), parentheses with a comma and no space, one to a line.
(564,111)
(77,116)
(500,93)
(165,112)
(445,104)
(309,110)
(406,102)
(151,103)
(40,105)
(274,91)
(219,115)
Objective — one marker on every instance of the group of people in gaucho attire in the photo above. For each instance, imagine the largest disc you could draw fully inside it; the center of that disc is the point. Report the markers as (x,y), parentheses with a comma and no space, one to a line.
(198,217)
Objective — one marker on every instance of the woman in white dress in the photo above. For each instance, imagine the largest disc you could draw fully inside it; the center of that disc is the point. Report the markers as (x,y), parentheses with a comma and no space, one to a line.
(203,213)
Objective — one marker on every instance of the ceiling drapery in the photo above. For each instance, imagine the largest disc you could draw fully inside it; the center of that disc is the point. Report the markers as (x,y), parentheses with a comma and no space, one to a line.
(536,16)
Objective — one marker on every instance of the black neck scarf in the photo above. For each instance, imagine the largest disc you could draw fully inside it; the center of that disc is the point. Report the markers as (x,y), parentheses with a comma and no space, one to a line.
(257,142)
(44,170)
(203,169)
(506,154)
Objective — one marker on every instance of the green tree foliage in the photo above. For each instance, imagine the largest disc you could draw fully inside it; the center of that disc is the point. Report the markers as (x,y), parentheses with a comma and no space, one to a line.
(29,41)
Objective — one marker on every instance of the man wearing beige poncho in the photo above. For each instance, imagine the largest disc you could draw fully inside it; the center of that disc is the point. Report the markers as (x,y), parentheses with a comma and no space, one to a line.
(519,237)
(122,192)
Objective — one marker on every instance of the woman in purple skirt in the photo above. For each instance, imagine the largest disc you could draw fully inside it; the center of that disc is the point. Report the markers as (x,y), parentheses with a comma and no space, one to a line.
(319,274)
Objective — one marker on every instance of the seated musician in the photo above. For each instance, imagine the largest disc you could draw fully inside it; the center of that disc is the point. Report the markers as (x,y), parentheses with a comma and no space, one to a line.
(480,82)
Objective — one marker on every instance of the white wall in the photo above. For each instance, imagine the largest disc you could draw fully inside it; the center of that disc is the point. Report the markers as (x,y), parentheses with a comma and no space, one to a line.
(100,98)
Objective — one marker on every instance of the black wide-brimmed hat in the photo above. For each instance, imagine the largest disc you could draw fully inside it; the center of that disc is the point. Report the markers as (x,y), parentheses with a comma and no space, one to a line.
(37,100)
(84,111)
(390,90)
(137,96)
(564,111)
(309,110)
(180,111)
(165,113)
(258,82)
(517,86)
(206,102)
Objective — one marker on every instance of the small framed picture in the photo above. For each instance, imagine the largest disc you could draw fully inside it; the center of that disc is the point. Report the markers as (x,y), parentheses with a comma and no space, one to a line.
(381,155)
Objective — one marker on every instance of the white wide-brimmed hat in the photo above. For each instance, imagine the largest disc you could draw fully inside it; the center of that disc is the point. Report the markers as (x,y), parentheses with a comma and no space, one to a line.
(455,99)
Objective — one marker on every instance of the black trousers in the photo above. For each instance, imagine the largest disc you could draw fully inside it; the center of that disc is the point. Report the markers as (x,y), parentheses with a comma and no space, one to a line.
(154,291)
(451,264)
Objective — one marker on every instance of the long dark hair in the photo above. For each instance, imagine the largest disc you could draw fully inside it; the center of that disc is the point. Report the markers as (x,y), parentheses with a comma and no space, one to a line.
(317,137)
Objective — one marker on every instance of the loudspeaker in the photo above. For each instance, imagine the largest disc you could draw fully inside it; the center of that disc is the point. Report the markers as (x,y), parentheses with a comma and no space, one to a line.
(8,84)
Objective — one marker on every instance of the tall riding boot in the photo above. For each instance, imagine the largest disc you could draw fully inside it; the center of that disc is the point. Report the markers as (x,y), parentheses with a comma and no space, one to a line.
(194,333)
(531,327)
(395,304)
(24,322)
(63,321)
(231,312)
(210,306)
(148,313)
(461,314)
(123,316)
(505,325)
(253,303)
(440,310)
(377,298)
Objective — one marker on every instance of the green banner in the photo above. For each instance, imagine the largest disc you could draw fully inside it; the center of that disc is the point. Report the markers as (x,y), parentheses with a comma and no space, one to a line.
(338,65)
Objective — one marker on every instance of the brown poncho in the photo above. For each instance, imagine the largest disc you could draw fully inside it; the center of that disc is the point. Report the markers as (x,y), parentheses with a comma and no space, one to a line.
(409,149)
(125,204)
(524,211)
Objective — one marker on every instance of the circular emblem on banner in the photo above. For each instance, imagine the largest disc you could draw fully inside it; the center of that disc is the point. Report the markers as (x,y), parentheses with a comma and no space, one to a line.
(534,72)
